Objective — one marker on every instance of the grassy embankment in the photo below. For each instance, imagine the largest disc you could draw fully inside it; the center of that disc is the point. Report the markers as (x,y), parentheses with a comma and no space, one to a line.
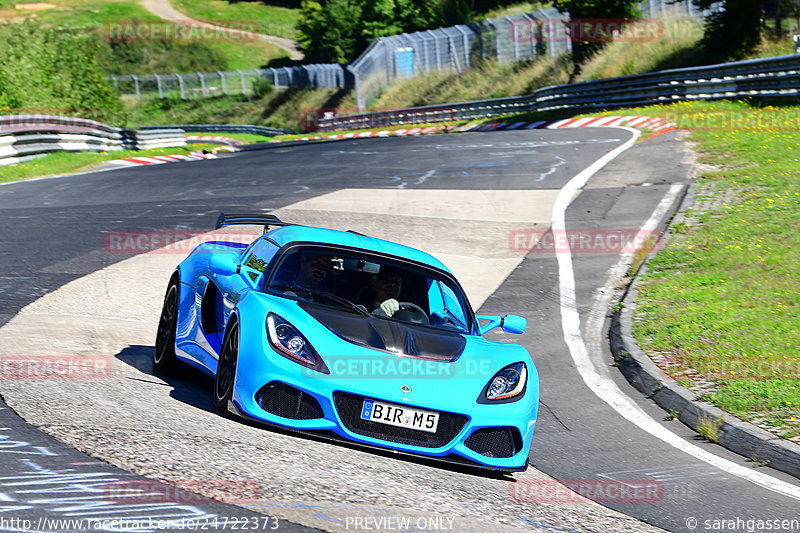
(719,308)
(275,19)
(147,57)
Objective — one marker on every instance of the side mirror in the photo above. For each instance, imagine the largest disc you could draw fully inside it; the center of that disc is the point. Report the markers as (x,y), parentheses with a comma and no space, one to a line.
(514,324)
(509,323)
(223,265)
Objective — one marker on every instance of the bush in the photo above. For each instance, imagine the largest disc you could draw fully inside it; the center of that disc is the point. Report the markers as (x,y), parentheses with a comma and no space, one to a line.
(261,88)
(54,71)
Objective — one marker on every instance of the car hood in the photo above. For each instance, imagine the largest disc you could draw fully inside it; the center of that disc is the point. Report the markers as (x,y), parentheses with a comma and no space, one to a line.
(389,335)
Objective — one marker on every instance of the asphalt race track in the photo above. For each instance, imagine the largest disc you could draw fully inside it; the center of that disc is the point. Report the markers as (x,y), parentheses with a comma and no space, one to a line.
(480,202)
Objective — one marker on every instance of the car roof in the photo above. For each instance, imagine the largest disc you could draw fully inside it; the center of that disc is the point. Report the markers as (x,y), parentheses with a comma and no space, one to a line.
(308,234)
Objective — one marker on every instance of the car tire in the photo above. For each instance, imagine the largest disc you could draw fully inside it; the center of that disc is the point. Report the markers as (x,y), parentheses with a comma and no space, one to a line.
(226,367)
(164,359)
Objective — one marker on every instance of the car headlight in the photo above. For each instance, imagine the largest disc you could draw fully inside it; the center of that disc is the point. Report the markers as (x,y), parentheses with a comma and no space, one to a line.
(507,383)
(291,344)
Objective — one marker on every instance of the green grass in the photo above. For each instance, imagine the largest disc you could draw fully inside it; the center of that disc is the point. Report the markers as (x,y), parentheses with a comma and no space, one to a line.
(81,13)
(149,58)
(721,299)
(278,109)
(247,138)
(272,18)
(69,162)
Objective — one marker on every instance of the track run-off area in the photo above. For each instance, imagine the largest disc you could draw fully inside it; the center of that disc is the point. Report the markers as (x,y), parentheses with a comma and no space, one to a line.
(86,259)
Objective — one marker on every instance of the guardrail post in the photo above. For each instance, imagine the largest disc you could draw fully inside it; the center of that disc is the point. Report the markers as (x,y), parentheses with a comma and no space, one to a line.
(180,86)
(274,77)
(222,81)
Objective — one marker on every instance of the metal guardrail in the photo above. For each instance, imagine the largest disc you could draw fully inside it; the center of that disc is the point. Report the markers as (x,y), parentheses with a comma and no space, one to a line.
(775,77)
(226,128)
(26,136)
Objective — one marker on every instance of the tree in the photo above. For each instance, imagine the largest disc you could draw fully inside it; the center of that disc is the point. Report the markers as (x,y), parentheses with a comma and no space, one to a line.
(732,31)
(55,71)
(328,31)
(595,9)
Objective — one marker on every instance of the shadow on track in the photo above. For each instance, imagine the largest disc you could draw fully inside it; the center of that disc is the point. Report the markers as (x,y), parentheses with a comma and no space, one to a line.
(195,388)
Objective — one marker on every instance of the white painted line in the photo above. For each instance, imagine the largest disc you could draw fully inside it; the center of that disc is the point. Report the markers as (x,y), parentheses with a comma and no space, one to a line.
(603,387)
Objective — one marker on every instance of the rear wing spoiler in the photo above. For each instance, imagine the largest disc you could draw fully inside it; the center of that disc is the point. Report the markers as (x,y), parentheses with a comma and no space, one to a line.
(250,220)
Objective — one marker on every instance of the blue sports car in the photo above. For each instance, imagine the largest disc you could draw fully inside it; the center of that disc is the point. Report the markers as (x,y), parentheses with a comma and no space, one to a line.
(352,337)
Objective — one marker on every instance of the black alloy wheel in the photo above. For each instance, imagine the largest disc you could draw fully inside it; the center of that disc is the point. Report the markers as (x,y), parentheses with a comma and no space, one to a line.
(164,358)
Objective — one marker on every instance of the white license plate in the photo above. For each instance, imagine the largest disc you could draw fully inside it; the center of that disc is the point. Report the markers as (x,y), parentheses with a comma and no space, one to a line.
(400,416)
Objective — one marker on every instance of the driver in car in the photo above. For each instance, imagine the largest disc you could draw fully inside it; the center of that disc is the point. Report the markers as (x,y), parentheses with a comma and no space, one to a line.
(309,278)
(386,287)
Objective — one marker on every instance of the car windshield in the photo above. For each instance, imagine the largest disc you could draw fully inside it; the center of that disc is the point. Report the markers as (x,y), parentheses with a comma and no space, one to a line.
(366,284)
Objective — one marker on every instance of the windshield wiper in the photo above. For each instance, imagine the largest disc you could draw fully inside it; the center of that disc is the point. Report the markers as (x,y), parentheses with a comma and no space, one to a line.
(344,302)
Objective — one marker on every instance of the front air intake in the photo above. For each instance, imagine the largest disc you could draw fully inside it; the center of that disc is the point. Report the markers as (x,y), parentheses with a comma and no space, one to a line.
(284,400)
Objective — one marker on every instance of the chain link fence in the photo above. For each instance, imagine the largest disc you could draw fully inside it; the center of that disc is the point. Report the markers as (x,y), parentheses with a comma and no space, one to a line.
(204,84)
(509,39)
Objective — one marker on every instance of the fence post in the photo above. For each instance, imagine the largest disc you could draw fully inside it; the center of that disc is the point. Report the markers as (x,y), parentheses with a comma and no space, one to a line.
(241,75)
(180,85)
(465,38)
(202,84)
(532,25)
(136,86)
(453,55)
(158,84)
(222,80)
(497,38)
(516,37)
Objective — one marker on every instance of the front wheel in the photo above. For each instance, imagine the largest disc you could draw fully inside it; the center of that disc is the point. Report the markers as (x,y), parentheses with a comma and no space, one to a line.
(226,367)
(164,359)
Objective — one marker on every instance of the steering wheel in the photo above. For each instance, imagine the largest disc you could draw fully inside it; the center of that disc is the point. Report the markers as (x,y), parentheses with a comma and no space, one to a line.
(415,313)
